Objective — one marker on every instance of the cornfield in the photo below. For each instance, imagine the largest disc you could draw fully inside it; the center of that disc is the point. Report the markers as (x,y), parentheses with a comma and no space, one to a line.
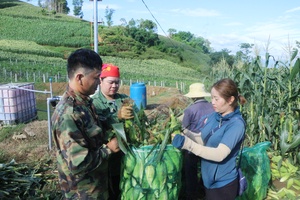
(272,111)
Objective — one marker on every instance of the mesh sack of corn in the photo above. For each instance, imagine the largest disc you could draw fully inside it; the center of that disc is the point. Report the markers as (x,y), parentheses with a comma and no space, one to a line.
(151,166)
(255,165)
(146,175)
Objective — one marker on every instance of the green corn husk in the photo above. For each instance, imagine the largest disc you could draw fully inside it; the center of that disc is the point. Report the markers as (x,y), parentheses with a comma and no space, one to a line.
(151,166)
(145,178)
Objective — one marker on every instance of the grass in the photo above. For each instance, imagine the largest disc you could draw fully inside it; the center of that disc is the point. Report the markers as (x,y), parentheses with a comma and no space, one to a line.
(7,131)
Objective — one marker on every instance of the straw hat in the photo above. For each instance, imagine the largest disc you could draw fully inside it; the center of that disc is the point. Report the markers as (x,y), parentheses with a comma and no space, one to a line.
(197,90)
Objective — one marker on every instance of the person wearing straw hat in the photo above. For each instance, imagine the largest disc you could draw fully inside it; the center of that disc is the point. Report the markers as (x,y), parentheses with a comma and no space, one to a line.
(193,117)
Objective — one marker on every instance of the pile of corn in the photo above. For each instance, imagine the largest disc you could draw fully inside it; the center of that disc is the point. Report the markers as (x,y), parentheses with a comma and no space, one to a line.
(21,181)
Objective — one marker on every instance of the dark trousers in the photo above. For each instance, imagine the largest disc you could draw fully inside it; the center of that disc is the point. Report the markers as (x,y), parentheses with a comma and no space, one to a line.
(228,192)
(114,190)
(193,184)
(114,171)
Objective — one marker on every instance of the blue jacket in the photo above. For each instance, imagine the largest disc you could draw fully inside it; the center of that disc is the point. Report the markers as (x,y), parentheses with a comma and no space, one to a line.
(230,133)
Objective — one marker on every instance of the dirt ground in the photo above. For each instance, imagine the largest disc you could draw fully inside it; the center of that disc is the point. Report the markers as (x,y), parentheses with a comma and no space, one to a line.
(30,142)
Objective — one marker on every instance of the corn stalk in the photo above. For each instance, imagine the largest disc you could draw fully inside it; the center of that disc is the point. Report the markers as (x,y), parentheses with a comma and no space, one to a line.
(272,111)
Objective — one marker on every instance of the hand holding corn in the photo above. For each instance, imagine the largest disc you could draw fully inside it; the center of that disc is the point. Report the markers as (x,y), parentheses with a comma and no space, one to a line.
(126,112)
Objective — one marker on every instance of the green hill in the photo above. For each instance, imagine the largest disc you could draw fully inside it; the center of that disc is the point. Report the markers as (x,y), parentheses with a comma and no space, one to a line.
(34,41)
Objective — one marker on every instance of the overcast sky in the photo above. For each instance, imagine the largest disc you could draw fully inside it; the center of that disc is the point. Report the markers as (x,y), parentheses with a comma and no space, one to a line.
(226,24)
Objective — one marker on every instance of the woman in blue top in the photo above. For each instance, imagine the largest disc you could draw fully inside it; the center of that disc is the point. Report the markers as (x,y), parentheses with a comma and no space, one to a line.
(219,142)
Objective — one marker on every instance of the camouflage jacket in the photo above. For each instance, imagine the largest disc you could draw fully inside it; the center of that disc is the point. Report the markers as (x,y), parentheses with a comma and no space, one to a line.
(82,157)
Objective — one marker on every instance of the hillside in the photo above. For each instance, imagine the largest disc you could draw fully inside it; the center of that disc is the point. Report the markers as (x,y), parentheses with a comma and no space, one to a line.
(33,39)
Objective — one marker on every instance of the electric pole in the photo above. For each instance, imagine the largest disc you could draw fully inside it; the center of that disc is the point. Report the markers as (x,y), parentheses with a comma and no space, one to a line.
(96,25)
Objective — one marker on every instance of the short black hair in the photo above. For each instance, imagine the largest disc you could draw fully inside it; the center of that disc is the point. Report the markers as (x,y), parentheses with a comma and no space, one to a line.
(83,58)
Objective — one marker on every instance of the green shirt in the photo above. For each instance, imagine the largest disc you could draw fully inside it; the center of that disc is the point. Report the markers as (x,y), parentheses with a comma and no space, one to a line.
(107,110)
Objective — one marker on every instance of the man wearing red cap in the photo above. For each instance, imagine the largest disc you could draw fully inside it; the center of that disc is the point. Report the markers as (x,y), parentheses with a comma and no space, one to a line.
(108,103)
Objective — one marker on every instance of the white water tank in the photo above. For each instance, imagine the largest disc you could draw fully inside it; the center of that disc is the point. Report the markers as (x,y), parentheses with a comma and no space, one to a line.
(17,103)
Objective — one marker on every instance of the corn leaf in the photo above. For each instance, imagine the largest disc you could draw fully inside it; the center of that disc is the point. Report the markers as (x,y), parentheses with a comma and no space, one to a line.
(295,69)
(119,128)
(121,137)
(295,52)
(163,145)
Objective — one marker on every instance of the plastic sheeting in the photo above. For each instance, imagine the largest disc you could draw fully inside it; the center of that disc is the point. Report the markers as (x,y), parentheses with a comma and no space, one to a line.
(255,165)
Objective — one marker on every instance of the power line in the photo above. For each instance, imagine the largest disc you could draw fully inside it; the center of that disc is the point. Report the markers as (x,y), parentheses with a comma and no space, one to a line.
(154,18)
(159,24)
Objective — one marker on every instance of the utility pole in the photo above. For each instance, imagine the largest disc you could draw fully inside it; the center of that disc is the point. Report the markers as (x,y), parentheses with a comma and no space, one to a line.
(96,25)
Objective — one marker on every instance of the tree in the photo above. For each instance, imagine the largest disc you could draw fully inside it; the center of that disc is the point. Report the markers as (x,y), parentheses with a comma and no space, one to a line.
(143,31)
(224,54)
(77,11)
(40,3)
(55,6)
(183,36)
(123,22)
(64,7)
(244,52)
(148,25)
(200,43)
(171,32)
(108,15)
(188,38)
(131,23)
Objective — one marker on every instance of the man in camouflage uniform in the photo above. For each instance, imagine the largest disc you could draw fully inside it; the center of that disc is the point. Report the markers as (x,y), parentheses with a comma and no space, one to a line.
(108,103)
(82,147)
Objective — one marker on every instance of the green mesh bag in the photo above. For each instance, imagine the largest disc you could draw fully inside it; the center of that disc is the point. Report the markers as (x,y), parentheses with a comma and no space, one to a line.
(255,165)
(144,177)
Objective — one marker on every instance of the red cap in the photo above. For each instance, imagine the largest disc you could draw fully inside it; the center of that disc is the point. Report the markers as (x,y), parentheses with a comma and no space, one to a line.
(109,70)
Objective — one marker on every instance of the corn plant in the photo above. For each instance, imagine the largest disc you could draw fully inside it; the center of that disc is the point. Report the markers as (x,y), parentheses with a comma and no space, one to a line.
(272,111)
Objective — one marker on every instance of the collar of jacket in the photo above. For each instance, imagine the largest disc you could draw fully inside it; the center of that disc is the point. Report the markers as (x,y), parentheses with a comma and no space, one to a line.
(79,98)
(227,117)
(200,100)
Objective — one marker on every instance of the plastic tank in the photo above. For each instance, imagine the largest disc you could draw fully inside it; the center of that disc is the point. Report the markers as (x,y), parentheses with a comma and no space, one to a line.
(17,103)
(138,93)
